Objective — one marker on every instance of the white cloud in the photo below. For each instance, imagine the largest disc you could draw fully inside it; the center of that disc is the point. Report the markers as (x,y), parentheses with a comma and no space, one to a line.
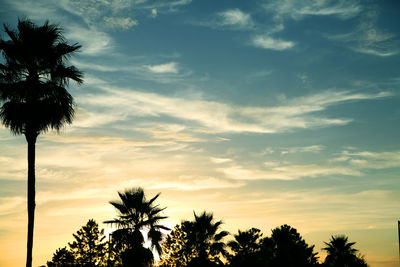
(162,7)
(171,67)
(113,14)
(234,17)
(193,183)
(140,69)
(154,12)
(374,52)
(285,172)
(10,205)
(220,117)
(368,38)
(310,149)
(268,42)
(350,163)
(220,160)
(372,160)
(120,22)
(170,131)
(86,119)
(95,42)
(299,9)
(36,10)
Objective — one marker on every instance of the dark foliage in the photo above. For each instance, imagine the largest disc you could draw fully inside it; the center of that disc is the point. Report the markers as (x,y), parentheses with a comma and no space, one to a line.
(62,258)
(285,248)
(289,249)
(342,254)
(89,248)
(246,248)
(175,253)
(195,243)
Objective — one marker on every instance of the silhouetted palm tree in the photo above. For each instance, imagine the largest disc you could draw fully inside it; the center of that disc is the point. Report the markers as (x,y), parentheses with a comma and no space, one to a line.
(341,253)
(136,213)
(33,78)
(203,237)
(246,247)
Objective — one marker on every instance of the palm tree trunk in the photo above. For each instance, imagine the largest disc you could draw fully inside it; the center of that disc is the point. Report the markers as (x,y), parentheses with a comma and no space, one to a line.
(31,139)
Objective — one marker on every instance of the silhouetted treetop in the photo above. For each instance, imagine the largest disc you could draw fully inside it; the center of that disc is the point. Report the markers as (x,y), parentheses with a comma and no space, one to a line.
(136,214)
(341,253)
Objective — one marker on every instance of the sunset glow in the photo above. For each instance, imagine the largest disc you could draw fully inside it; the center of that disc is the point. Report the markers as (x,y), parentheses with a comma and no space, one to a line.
(262,112)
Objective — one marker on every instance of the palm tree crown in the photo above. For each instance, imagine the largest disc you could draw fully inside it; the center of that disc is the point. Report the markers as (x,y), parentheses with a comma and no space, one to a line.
(33,79)
(246,242)
(203,236)
(341,253)
(136,213)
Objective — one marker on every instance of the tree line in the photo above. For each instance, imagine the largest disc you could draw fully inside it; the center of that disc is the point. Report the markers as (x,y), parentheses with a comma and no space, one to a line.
(200,242)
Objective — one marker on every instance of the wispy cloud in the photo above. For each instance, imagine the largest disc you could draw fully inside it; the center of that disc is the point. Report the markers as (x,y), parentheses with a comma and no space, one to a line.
(171,131)
(304,149)
(368,38)
(372,160)
(113,14)
(171,67)
(162,6)
(300,9)
(120,23)
(142,68)
(268,42)
(375,52)
(94,41)
(235,17)
(221,117)
(285,172)
(10,205)
(284,10)
(220,160)
(193,183)
(349,163)
(92,20)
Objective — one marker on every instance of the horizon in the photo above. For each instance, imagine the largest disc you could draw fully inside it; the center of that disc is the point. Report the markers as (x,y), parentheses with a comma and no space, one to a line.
(262,112)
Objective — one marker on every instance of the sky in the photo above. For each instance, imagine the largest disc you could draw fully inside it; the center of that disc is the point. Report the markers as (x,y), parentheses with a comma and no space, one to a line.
(262,112)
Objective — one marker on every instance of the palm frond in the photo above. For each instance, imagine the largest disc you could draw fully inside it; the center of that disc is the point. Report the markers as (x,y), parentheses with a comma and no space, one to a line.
(220,235)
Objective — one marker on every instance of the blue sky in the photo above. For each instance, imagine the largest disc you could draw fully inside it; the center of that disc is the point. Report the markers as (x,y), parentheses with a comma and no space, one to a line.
(264,112)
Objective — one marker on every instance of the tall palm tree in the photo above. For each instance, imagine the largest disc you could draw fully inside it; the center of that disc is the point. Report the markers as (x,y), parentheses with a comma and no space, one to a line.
(33,77)
(203,237)
(341,253)
(135,214)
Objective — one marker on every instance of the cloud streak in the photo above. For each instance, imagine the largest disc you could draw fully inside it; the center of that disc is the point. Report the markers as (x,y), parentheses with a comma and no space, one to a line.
(267,42)
(288,172)
(349,163)
(297,113)
(300,9)
(171,67)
